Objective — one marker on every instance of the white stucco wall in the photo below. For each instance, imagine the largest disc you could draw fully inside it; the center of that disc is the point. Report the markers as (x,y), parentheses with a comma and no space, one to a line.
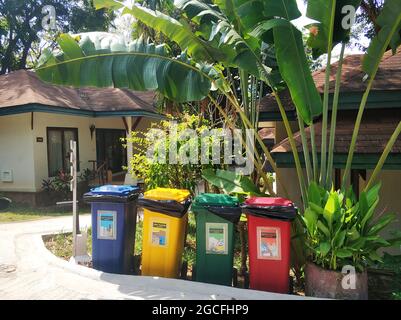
(16,152)
(20,151)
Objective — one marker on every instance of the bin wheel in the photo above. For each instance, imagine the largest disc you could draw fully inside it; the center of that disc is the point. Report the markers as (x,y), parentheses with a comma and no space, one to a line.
(193,272)
(246,280)
(184,270)
(235,277)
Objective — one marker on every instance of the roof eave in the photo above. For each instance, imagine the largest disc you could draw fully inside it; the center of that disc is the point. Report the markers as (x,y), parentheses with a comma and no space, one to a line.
(365,161)
(13,110)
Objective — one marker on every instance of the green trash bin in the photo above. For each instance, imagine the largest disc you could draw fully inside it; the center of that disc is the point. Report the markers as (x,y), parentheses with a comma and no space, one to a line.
(216,216)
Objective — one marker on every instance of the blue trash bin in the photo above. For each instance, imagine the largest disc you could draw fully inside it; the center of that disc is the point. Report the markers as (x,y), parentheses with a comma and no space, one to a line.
(114,213)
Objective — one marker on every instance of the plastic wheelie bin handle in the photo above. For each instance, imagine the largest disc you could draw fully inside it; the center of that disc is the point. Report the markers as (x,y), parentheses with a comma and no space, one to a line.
(169,207)
(286,213)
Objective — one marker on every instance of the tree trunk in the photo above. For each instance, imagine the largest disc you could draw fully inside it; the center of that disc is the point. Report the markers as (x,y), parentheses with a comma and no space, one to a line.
(24,57)
(6,62)
(372,12)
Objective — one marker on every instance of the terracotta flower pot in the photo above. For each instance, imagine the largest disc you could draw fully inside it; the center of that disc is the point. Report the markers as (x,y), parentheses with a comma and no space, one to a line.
(324,283)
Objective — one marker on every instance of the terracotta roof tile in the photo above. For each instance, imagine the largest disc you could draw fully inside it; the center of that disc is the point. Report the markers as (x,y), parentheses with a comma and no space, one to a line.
(375,131)
(267,133)
(23,87)
(388,78)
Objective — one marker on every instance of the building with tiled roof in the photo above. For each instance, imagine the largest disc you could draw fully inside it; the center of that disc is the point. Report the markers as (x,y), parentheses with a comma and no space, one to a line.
(381,117)
(37,121)
(385,89)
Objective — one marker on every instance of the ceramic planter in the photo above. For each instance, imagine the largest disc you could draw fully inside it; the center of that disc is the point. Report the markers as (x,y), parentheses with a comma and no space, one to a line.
(324,283)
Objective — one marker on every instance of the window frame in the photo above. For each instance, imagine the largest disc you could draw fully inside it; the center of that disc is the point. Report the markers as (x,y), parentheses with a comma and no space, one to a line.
(62,130)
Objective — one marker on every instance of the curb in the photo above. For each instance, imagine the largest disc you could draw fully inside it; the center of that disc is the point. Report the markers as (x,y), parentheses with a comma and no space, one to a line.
(210,291)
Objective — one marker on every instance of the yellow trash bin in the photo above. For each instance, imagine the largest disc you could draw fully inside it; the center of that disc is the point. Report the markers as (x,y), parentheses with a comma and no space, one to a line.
(164,227)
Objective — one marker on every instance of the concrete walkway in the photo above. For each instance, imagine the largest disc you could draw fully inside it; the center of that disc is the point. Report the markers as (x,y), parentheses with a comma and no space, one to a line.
(29,271)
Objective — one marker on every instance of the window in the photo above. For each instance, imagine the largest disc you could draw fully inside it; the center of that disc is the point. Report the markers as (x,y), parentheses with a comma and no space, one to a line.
(58,149)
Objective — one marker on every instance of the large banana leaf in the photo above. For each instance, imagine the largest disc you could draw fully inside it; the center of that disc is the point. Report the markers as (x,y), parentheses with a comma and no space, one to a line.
(320,10)
(389,34)
(289,47)
(228,7)
(291,57)
(251,13)
(177,32)
(102,60)
(225,34)
(294,69)
(236,50)
(111,4)
(230,182)
(258,12)
(287,9)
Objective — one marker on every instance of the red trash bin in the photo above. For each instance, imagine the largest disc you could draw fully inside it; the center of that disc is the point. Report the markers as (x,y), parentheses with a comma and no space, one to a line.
(269,235)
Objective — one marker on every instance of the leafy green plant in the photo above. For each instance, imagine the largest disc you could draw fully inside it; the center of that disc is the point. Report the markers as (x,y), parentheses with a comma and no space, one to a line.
(343,231)
(396,295)
(60,184)
(47,185)
(231,183)
(164,173)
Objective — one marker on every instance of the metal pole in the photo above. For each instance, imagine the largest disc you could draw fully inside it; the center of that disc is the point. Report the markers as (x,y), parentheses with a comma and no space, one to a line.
(73,187)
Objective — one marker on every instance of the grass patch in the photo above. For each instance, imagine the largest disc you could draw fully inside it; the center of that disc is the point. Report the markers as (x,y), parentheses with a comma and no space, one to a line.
(61,244)
(18,213)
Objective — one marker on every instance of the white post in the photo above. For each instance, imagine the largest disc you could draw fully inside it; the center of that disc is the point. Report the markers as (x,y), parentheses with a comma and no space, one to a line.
(128,177)
(73,188)
(79,247)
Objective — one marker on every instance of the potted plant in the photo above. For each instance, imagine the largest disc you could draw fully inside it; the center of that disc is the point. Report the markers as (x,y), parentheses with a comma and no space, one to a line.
(342,236)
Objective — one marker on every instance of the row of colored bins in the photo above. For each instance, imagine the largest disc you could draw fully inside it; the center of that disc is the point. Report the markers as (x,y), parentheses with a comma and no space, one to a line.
(164,229)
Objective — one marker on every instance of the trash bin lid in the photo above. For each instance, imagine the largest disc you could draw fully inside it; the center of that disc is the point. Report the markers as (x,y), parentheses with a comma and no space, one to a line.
(222,205)
(178,195)
(275,208)
(112,193)
(268,202)
(218,200)
(115,190)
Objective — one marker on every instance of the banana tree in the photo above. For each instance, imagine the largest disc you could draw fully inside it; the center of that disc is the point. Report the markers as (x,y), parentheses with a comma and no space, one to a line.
(224,38)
